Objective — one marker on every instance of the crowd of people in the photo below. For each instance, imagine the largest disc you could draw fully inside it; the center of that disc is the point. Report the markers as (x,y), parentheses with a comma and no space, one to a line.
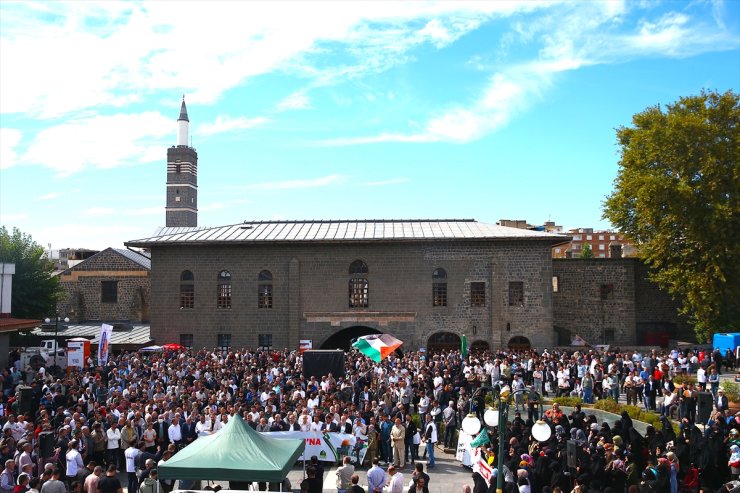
(84,427)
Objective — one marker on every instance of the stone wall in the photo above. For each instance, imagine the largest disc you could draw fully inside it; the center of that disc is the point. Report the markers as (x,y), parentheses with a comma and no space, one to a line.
(655,309)
(580,308)
(81,301)
(310,291)
(630,306)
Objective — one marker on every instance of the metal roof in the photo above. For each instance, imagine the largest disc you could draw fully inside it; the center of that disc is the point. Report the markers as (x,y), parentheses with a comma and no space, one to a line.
(141,258)
(138,335)
(344,231)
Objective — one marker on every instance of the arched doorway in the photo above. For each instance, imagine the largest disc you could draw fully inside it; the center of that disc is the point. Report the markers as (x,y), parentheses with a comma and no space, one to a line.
(519,342)
(480,346)
(443,341)
(343,339)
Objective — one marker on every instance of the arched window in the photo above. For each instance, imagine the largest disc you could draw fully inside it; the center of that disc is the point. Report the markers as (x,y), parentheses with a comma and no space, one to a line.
(357,267)
(264,289)
(223,289)
(187,289)
(439,287)
(359,286)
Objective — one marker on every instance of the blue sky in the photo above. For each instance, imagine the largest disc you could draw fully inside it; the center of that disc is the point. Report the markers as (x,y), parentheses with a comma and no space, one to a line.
(327,110)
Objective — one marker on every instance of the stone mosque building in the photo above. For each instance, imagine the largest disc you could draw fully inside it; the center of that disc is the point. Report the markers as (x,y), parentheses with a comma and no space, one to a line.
(275,284)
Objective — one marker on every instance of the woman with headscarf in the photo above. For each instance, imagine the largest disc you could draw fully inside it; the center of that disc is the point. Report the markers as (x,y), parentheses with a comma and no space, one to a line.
(617,474)
(734,461)
(541,473)
(663,476)
(479,484)
(627,426)
(674,467)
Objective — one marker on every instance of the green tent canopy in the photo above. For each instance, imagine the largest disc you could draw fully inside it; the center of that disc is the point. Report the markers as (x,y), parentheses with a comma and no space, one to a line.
(234,453)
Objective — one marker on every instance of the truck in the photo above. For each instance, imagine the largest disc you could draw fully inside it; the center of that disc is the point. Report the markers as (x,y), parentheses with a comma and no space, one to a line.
(725,341)
(34,358)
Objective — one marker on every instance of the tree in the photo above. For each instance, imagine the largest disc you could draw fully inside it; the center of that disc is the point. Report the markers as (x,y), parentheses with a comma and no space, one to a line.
(35,289)
(676,196)
(586,251)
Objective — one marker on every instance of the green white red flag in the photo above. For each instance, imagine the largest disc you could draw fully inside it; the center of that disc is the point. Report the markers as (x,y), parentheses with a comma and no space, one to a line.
(377,346)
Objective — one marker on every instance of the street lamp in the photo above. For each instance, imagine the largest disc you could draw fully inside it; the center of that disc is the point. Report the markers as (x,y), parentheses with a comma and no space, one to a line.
(56,333)
(498,417)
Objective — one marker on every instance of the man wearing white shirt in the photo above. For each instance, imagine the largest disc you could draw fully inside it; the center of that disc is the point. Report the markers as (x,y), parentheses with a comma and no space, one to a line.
(174,432)
(74,461)
(113,436)
(701,377)
(395,482)
(130,455)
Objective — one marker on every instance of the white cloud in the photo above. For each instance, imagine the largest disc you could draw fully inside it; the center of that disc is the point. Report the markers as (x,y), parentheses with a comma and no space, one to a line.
(209,207)
(9,139)
(224,124)
(100,142)
(292,184)
(382,183)
(13,218)
(87,234)
(56,195)
(98,212)
(121,52)
(296,101)
(584,34)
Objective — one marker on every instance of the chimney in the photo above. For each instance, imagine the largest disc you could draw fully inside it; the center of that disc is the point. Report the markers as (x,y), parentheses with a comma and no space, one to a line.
(615,249)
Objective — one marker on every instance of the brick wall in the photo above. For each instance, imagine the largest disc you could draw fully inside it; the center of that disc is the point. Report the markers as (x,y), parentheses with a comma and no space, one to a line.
(310,291)
(82,290)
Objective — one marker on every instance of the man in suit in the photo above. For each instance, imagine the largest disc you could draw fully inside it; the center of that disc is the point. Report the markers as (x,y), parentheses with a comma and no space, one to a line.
(161,427)
(721,402)
(329,424)
(650,390)
(412,450)
(188,431)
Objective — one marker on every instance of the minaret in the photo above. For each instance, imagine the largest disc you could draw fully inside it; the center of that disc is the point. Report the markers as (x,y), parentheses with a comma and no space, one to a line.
(182,177)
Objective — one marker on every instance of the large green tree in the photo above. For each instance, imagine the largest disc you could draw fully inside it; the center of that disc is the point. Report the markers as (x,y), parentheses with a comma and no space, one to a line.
(676,195)
(35,289)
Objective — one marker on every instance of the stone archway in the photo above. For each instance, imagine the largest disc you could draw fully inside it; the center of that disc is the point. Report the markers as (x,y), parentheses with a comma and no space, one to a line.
(342,339)
(519,343)
(443,341)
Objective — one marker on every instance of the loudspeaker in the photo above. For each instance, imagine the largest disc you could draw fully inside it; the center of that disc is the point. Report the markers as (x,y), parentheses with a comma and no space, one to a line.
(705,402)
(46,443)
(25,400)
(571,451)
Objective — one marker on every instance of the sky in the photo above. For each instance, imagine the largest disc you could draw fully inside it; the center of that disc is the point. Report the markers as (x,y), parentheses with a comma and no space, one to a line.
(336,110)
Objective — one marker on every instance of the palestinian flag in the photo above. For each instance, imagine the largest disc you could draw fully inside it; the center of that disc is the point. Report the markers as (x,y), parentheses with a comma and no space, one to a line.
(377,346)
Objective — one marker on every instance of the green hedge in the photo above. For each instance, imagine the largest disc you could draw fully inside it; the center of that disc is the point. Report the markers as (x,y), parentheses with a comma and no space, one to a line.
(568,401)
(634,412)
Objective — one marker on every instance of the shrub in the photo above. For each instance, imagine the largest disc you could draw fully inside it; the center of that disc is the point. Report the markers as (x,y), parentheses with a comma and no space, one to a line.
(568,401)
(634,412)
(679,379)
(732,391)
(608,405)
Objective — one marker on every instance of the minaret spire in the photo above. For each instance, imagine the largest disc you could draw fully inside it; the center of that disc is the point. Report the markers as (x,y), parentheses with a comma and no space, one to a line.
(182,177)
(183,125)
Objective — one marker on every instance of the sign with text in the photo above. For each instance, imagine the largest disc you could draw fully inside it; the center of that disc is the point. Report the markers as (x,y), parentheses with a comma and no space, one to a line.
(325,445)
(75,354)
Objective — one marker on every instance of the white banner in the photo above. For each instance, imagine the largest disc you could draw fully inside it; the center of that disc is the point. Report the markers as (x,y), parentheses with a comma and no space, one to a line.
(104,343)
(326,446)
(482,468)
(75,354)
(464,451)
